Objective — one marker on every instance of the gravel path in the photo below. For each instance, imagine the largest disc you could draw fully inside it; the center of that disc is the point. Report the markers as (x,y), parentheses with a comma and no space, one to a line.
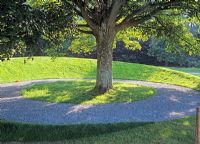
(171,102)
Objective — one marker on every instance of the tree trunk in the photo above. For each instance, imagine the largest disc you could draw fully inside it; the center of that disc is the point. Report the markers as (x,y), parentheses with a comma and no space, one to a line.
(105,41)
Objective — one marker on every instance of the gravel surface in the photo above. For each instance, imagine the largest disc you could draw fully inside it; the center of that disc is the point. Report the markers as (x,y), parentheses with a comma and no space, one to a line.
(170,102)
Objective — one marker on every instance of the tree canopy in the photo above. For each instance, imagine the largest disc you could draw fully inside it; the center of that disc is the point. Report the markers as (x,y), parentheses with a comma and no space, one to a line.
(140,20)
(21,25)
(23,22)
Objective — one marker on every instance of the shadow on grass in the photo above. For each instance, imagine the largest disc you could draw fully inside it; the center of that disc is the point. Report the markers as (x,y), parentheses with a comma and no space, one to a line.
(78,92)
(32,133)
(177,131)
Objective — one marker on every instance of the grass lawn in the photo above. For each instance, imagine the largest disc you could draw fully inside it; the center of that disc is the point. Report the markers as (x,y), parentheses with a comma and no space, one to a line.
(44,68)
(82,92)
(171,132)
(193,71)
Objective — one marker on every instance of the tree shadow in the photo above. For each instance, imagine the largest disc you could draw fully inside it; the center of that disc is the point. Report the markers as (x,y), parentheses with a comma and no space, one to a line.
(29,132)
(12,131)
(26,132)
(78,92)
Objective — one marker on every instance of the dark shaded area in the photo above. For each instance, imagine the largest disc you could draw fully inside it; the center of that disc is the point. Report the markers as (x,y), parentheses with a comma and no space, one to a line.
(138,56)
(120,53)
(28,132)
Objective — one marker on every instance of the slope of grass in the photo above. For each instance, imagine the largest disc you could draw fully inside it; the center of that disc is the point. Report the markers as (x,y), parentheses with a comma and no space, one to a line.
(82,92)
(170,132)
(193,71)
(44,68)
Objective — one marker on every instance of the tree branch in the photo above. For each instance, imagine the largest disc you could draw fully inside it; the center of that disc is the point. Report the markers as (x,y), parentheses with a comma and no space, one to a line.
(115,8)
(150,9)
(85,31)
(86,15)
(74,8)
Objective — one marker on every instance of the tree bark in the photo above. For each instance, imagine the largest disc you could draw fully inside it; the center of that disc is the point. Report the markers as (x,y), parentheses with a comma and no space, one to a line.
(105,41)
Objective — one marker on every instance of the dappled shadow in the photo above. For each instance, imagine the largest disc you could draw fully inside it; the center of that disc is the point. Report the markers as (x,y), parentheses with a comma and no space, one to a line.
(176,131)
(37,112)
(170,103)
(83,92)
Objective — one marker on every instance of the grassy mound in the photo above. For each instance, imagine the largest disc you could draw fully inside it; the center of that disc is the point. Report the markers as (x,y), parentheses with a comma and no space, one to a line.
(170,132)
(82,92)
(193,71)
(44,68)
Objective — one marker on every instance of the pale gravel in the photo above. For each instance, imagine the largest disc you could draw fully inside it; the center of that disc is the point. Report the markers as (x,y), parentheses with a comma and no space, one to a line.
(170,102)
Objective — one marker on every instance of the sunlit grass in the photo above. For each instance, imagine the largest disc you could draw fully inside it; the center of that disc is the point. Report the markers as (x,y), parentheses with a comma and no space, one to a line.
(170,132)
(193,71)
(82,92)
(45,68)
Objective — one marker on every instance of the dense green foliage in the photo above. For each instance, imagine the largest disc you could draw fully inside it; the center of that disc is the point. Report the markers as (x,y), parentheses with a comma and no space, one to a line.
(153,52)
(159,50)
(83,92)
(17,23)
(170,51)
(27,27)
(171,132)
(170,25)
(44,68)
(23,28)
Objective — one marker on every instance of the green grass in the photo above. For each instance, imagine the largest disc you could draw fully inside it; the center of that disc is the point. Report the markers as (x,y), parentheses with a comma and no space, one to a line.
(193,71)
(44,68)
(169,132)
(82,92)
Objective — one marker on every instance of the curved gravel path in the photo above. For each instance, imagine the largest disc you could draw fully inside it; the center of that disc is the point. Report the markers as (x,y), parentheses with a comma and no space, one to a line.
(171,102)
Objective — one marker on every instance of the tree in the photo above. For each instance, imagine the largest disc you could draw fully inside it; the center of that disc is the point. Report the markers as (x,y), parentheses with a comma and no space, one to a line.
(105,19)
(23,27)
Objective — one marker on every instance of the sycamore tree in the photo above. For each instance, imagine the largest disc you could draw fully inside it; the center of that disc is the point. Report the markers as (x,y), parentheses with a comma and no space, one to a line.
(104,19)
(108,20)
